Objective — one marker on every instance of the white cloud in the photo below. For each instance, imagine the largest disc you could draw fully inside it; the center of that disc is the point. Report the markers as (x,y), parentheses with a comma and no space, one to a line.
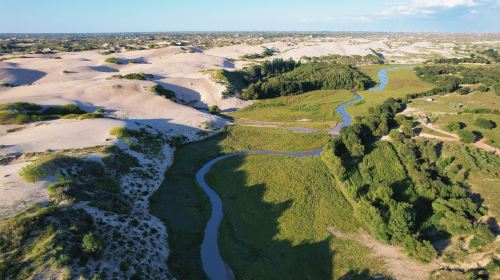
(429,7)
(444,3)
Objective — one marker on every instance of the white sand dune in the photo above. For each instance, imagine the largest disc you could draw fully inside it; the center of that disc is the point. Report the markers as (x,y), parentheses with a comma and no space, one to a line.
(20,76)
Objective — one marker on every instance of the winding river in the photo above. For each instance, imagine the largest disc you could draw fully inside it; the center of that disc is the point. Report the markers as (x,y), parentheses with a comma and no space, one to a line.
(214,266)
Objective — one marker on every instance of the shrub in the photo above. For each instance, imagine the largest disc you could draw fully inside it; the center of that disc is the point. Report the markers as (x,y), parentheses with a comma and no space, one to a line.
(466,136)
(422,251)
(134,76)
(484,123)
(160,90)
(113,60)
(92,244)
(452,126)
(463,91)
(482,237)
(214,109)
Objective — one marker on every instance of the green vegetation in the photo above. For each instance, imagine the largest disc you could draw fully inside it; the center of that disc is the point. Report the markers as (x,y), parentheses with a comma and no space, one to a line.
(315,106)
(491,54)
(183,206)
(309,77)
(348,60)
(265,53)
(22,112)
(92,244)
(43,238)
(484,123)
(84,180)
(463,111)
(385,197)
(214,109)
(5,84)
(268,228)
(466,136)
(161,91)
(114,60)
(134,76)
(401,82)
(142,141)
(474,59)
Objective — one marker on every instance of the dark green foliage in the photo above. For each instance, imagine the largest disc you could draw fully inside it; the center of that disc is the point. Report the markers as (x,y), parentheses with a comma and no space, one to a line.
(308,77)
(492,54)
(433,185)
(466,136)
(22,112)
(484,123)
(401,222)
(214,109)
(421,250)
(92,244)
(160,90)
(349,60)
(462,60)
(352,138)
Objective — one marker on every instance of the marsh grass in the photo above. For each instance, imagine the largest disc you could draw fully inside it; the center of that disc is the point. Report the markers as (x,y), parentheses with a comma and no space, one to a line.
(184,208)
(401,82)
(314,106)
(276,210)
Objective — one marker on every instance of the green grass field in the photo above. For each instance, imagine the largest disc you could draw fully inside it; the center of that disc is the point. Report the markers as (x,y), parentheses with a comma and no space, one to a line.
(450,108)
(315,106)
(182,205)
(401,82)
(277,210)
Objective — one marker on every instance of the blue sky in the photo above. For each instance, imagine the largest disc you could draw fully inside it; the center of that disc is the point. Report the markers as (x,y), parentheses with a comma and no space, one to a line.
(256,15)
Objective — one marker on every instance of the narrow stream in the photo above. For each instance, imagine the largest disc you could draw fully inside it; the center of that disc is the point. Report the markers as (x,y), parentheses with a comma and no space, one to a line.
(214,266)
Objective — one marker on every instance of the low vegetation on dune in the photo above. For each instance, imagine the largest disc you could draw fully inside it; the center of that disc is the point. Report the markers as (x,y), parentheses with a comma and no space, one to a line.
(114,60)
(134,76)
(265,53)
(22,112)
(161,91)
(59,237)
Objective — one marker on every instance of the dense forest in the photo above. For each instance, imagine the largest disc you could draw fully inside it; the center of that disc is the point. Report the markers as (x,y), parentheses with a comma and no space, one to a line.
(308,77)
(279,77)
(405,191)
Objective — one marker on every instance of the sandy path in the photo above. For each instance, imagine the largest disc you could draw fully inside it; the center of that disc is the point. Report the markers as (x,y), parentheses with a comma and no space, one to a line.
(481,144)
(396,260)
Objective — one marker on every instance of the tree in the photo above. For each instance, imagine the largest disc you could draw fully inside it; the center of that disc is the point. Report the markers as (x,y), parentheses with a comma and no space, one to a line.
(401,222)
(92,244)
